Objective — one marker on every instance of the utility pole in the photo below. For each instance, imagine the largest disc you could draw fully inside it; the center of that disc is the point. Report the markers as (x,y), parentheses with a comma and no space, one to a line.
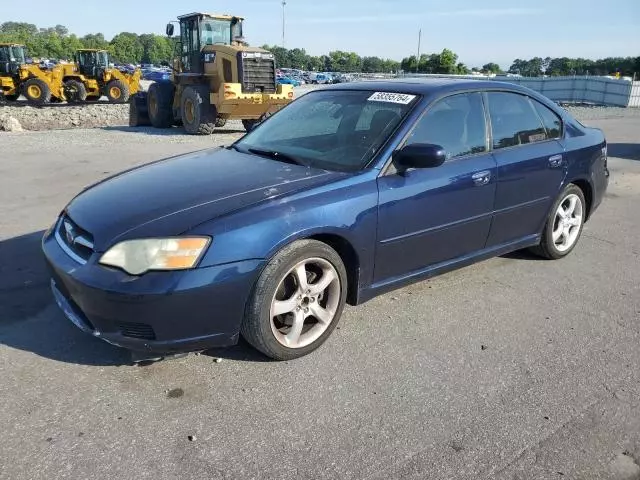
(284,4)
(418,56)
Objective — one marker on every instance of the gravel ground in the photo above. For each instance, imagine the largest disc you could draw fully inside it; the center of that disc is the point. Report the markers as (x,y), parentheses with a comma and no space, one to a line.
(511,369)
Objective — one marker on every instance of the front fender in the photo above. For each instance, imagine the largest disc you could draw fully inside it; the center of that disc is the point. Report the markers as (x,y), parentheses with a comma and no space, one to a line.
(347,209)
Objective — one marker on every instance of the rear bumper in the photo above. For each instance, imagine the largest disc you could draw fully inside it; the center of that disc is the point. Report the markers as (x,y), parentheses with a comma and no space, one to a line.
(159,312)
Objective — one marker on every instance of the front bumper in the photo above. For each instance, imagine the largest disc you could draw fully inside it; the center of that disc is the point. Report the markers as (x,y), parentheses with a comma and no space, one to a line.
(159,312)
(234,104)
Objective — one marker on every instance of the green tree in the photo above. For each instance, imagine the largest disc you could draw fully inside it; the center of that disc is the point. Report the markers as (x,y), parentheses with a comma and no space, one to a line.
(491,68)
(155,48)
(94,40)
(126,47)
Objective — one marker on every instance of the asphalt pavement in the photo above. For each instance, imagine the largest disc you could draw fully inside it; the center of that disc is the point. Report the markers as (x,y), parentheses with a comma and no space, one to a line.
(515,368)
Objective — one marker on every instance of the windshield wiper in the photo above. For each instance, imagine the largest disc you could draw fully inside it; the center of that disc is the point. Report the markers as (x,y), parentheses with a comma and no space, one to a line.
(281,157)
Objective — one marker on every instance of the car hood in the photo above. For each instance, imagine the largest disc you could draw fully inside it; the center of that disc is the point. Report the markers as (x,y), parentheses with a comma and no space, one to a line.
(171,196)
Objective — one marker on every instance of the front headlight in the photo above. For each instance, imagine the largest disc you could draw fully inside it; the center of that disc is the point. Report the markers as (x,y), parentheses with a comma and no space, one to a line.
(139,256)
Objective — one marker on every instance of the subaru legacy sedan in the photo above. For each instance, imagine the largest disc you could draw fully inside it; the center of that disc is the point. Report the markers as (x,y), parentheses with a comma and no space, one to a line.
(347,193)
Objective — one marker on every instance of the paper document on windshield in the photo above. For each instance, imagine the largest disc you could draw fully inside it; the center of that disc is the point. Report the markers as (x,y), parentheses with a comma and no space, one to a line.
(389,97)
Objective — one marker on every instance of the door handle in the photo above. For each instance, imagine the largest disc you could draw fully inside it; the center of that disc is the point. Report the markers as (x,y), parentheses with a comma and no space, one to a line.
(555,161)
(481,178)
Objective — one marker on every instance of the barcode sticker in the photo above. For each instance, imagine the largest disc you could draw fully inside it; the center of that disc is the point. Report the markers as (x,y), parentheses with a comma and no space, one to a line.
(389,97)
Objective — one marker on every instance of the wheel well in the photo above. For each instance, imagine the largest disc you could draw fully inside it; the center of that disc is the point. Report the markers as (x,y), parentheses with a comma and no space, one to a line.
(587,192)
(349,258)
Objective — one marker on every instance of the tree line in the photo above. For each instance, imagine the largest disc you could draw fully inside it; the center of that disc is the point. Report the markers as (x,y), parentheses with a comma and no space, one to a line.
(56,42)
(537,66)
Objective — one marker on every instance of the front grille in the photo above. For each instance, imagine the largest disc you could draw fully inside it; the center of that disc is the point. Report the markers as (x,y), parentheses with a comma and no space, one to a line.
(258,75)
(137,330)
(74,240)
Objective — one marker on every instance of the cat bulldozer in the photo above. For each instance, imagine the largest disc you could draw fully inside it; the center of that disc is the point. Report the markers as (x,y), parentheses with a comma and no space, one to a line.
(38,85)
(91,77)
(216,77)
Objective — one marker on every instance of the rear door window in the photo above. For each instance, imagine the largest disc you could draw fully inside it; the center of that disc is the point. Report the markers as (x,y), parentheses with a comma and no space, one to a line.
(514,121)
(552,122)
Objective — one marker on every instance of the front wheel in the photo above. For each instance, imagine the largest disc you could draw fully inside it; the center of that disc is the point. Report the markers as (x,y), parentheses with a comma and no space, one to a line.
(297,301)
(198,115)
(75,91)
(37,91)
(117,91)
(564,224)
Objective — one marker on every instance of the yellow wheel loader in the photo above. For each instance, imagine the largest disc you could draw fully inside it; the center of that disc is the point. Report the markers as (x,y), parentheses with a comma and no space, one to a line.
(17,77)
(216,77)
(91,77)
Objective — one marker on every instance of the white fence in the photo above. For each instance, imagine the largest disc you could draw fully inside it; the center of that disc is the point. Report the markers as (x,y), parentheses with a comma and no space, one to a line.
(634,98)
(589,89)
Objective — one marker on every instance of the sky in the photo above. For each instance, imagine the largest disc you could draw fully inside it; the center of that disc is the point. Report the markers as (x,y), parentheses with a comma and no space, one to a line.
(478,31)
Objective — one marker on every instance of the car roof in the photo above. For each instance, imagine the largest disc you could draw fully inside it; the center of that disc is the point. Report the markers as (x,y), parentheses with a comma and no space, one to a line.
(426,86)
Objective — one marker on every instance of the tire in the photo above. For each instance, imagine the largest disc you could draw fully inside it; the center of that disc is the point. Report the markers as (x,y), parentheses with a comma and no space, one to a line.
(550,247)
(198,115)
(249,124)
(270,335)
(75,91)
(117,91)
(11,98)
(36,91)
(160,104)
(93,99)
(138,115)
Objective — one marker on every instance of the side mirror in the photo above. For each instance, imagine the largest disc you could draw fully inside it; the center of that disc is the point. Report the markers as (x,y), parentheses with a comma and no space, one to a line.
(420,155)
(169,29)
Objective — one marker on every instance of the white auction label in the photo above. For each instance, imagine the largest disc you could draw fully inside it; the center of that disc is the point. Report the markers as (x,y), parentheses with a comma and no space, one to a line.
(390,97)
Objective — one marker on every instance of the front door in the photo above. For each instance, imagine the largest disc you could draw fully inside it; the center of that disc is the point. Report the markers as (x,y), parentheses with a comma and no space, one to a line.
(531,164)
(434,215)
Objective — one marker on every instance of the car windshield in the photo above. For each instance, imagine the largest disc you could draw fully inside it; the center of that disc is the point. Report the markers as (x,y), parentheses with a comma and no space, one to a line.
(332,129)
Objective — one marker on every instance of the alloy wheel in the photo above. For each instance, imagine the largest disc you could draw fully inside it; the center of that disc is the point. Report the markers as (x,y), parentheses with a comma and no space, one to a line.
(305,303)
(567,222)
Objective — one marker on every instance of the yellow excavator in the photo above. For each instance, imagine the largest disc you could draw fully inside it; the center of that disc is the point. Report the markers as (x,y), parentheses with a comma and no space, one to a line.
(38,85)
(91,77)
(216,77)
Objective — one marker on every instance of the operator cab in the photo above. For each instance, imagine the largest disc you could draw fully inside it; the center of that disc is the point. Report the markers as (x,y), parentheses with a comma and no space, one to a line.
(11,57)
(91,62)
(198,30)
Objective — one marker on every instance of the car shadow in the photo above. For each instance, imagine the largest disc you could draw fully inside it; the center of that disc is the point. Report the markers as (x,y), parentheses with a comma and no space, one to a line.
(169,132)
(523,255)
(30,321)
(626,151)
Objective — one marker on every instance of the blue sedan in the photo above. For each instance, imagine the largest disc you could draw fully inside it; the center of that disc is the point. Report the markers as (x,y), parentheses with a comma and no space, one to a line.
(347,193)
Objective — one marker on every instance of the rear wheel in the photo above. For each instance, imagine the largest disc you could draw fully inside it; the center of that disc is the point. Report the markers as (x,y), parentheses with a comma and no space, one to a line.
(564,224)
(37,91)
(117,91)
(297,301)
(198,115)
(159,104)
(138,115)
(75,91)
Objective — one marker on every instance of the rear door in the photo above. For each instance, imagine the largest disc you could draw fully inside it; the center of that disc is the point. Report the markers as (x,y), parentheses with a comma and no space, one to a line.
(434,215)
(531,164)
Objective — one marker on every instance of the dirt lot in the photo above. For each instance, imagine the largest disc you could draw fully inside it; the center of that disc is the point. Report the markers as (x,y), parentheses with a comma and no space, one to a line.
(515,368)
